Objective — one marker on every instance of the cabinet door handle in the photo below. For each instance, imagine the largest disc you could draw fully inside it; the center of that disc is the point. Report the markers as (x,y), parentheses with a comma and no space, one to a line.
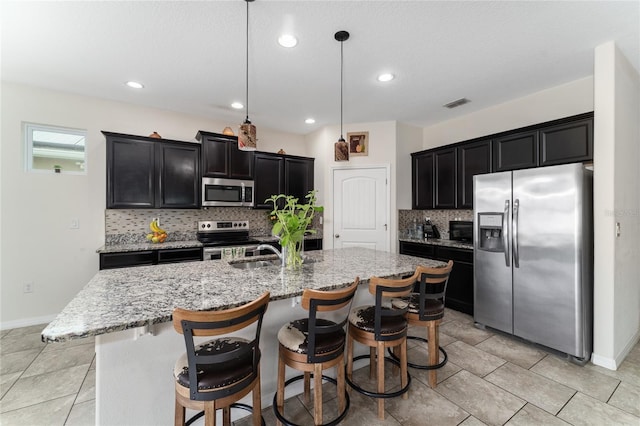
(337,235)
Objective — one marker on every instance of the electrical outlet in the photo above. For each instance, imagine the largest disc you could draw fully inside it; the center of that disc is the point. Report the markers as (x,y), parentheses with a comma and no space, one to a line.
(75,223)
(28,287)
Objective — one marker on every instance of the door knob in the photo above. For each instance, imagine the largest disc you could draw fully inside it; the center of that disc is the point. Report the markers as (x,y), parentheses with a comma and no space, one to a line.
(337,235)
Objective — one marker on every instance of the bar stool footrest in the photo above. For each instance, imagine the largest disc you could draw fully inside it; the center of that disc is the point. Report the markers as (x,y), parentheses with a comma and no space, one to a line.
(333,422)
(372,394)
(235,405)
(420,366)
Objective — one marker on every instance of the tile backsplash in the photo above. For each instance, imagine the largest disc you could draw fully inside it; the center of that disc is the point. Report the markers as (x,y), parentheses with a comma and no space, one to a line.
(130,226)
(440,218)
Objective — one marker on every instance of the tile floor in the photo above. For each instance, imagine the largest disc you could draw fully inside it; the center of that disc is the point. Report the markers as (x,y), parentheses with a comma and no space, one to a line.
(490,379)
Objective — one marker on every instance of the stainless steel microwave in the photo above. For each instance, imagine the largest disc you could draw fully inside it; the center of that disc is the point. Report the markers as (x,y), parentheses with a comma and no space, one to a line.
(227,192)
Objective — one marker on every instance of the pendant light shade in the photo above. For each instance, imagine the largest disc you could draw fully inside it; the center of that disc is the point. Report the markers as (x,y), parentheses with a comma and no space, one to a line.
(341,148)
(247,140)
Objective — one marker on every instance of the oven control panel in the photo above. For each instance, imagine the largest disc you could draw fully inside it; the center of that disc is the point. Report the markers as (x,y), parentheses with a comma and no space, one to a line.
(223,225)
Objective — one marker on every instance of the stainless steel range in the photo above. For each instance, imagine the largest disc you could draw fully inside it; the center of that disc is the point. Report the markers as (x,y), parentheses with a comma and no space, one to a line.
(226,239)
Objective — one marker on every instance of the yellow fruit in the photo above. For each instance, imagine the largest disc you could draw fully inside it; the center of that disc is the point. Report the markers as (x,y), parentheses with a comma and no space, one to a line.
(149,236)
(154,239)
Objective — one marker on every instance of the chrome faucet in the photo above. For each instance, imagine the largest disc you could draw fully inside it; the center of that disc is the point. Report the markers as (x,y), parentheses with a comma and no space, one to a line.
(273,249)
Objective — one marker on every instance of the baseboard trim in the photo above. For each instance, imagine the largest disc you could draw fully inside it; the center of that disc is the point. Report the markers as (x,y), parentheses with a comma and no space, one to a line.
(26,322)
(614,363)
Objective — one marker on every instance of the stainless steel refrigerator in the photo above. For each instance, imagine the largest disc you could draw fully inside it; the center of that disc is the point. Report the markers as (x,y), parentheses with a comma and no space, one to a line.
(533,256)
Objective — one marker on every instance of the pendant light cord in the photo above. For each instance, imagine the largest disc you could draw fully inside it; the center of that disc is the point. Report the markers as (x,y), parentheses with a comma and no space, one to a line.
(341,77)
(247,64)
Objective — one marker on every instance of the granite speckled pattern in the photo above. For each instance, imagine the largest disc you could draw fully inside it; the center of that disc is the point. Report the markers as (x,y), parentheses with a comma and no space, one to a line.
(127,247)
(440,242)
(119,299)
(122,248)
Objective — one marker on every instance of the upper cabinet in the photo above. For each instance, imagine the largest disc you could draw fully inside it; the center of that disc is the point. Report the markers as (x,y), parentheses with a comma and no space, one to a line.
(516,151)
(444,169)
(473,159)
(422,180)
(281,174)
(568,142)
(442,178)
(145,172)
(221,157)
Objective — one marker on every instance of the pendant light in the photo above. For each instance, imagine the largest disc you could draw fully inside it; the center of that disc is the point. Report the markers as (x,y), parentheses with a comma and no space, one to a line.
(247,134)
(341,148)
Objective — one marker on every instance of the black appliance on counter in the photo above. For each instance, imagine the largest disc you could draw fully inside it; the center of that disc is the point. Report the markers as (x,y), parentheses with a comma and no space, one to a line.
(461,230)
(218,236)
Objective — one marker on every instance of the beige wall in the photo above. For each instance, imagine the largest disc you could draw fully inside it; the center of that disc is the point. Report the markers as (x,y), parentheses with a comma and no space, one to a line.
(37,208)
(616,200)
(382,152)
(568,99)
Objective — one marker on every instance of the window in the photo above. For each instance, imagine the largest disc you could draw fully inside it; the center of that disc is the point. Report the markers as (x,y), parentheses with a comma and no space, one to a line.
(55,149)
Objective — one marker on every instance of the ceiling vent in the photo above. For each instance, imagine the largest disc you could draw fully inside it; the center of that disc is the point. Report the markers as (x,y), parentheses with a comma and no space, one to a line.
(457,103)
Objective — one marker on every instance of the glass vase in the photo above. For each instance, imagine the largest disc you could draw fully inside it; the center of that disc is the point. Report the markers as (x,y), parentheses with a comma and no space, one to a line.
(292,253)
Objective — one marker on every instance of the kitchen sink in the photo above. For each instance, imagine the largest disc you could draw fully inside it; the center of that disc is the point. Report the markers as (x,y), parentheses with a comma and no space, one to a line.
(256,264)
(253,264)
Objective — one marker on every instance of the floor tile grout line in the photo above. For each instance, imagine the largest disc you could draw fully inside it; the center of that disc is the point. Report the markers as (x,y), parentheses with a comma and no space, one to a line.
(23,371)
(77,393)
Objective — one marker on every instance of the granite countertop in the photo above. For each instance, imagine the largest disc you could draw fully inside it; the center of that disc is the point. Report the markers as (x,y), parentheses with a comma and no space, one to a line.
(119,299)
(438,242)
(123,248)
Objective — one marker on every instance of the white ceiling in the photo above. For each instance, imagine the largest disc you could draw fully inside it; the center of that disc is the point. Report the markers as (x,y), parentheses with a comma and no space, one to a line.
(190,55)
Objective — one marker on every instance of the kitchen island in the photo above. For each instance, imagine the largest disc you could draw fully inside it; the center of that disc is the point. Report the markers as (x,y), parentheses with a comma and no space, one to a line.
(129,312)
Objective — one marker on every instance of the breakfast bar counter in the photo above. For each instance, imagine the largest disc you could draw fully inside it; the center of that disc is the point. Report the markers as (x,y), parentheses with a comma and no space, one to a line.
(129,312)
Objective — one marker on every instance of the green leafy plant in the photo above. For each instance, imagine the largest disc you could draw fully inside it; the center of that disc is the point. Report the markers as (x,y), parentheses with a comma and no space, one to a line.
(292,222)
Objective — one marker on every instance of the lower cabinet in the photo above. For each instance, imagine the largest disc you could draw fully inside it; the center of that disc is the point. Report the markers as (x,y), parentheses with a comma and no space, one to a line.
(459,294)
(149,257)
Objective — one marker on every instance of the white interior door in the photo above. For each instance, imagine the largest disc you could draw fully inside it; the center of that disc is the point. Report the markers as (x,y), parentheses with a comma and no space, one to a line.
(361,208)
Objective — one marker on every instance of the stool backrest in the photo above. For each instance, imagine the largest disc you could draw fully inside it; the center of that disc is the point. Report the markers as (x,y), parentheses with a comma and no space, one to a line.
(215,323)
(324,301)
(432,286)
(386,287)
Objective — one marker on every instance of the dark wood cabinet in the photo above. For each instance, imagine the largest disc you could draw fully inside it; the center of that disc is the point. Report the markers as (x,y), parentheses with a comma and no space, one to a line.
(149,257)
(444,169)
(179,176)
(268,178)
(473,159)
(516,151)
(422,180)
(144,172)
(298,177)
(221,157)
(566,143)
(459,295)
(281,174)
(313,244)
(442,177)
(131,180)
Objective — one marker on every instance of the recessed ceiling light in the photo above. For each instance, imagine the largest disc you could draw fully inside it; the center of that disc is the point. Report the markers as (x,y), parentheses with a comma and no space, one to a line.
(386,77)
(237,105)
(134,84)
(309,121)
(287,40)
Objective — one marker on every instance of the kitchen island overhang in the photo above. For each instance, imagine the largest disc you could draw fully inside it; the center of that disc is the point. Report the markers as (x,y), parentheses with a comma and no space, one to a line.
(129,312)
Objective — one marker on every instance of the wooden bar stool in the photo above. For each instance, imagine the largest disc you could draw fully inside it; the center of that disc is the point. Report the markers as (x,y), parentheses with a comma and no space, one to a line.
(379,327)
(215,374)
(425,308)
(313,345)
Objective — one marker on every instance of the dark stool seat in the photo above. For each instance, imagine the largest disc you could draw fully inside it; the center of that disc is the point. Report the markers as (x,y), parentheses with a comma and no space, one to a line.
(312,345)
(217,373)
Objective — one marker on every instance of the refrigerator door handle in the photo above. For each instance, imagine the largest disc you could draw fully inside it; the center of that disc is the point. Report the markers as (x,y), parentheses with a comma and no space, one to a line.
(505,233)
(516,248)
